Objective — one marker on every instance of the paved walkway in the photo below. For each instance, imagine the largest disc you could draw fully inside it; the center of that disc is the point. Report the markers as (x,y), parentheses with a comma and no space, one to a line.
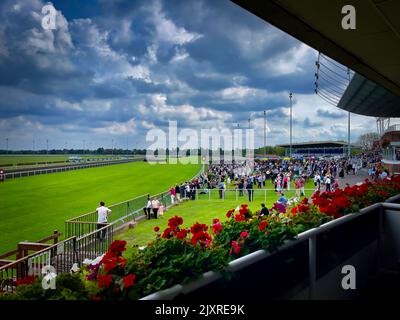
(351,179)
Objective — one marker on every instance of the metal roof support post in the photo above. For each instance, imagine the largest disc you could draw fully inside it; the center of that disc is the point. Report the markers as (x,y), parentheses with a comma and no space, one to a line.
(312,259)
(291,122)
(348,137)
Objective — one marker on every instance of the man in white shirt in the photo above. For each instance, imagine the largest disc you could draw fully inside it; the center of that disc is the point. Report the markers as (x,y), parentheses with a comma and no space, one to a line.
(317,181)
(102,219)
(147,208)
(328,183)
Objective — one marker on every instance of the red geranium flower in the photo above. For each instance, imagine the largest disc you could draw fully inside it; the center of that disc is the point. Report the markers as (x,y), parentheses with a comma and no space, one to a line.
(104,280)
(175,222)
(110,264)
(129,280)
(27,280)
(200,237)
(244,234)
(216,227)
(122,262)
(118,246)
(168,233)
(235,247)
(263,225)
(240,217)
(182,234)
(198,227)
(229,213)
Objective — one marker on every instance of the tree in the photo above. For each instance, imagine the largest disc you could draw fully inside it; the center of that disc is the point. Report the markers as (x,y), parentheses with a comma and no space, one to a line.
(366,140)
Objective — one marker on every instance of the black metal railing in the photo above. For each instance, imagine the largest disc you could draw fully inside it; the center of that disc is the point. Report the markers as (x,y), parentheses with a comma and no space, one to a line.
(95,243)
(121,213)
(61,256)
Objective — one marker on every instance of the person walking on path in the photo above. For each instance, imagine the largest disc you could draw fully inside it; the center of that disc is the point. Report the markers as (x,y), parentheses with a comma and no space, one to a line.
(160,211)
(250,191)
(297,186)
(317,181)
(259,181)
(172,194)
(302,185)
(155,204)
(147,208)
(328,183)
(285,182)
(177,193)
(221,189)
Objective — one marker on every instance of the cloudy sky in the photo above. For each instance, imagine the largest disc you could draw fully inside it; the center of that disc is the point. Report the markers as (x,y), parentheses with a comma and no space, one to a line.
(114,69)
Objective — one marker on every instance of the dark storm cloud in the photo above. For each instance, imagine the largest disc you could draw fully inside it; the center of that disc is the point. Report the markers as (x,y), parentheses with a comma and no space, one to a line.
(126,66)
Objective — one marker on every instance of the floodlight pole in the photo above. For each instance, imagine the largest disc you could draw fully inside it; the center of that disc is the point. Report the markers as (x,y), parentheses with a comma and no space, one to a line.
(348,122)
(7,145)
(348,137)
(291,123)
(239,144)
(47,146)
(265,133)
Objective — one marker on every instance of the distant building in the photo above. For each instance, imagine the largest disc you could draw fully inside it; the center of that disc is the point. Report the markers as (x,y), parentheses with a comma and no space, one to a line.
(318,148)
(390,142)
(266,157)
(76,159)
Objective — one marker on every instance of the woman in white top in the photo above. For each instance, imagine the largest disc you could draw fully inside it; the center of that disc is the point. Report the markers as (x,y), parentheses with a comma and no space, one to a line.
(155,205)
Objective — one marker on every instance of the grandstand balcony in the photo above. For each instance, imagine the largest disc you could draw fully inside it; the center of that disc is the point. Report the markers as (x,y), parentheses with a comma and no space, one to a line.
(311,267)
(390,141)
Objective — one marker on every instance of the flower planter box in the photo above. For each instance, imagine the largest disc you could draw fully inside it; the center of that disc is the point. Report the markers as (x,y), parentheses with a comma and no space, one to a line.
(308,267)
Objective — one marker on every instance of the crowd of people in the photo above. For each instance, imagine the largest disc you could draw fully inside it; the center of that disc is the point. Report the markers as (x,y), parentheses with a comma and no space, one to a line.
(284,174)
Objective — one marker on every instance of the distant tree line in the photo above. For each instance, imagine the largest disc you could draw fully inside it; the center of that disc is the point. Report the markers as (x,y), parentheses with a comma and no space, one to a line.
(99,151)
(102,151)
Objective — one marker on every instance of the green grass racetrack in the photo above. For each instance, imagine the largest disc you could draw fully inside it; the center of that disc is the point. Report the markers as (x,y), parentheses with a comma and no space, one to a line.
(22,159)
(32,207)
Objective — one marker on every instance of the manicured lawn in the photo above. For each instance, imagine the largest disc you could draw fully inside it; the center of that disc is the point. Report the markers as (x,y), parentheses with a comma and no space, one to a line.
(32,207)
(202,211)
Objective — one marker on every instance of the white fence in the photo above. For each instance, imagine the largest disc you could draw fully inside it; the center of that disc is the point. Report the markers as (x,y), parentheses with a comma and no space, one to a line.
(238,194)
